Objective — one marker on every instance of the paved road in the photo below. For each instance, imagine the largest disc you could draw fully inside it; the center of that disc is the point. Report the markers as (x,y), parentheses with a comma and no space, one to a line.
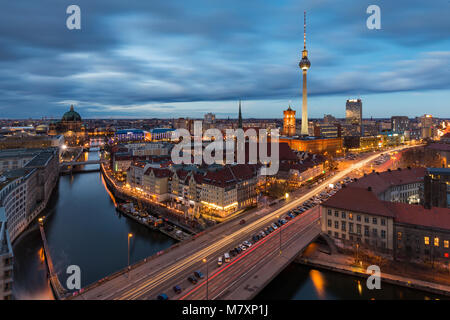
(158,274)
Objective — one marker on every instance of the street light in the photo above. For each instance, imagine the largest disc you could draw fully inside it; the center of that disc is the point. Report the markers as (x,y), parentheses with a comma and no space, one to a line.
(280,234)
(207,276)
(129,237)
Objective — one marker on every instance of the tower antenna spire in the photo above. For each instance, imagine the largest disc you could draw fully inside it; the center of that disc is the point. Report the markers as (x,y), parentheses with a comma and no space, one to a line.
(304,30)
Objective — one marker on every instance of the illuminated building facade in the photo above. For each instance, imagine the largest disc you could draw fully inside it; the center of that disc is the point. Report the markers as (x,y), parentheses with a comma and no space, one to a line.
(289,122)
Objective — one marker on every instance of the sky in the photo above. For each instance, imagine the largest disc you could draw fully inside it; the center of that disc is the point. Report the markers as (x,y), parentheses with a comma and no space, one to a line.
(178,58)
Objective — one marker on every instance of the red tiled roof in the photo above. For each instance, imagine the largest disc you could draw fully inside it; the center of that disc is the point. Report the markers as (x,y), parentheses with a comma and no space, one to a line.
(381,181)
(284,151)
(359,200)
(362,200)
(229,175)
(418,215)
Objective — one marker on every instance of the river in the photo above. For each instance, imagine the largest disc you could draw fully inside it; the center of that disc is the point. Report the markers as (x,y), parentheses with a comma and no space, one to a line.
(84,229)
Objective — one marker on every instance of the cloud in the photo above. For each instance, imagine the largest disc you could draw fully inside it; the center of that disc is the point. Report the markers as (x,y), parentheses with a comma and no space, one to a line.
(141,57)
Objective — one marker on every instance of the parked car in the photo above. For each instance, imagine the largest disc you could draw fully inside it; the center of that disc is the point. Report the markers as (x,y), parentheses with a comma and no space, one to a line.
(198,274)
(177,289)
(219,261)
(163,296)
(227,257)
(192,280)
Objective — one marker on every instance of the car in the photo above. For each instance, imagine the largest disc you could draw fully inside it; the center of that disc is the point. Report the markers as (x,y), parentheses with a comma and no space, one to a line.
(247,243)
(262,234)
(277,224)
(243,248)
(192,280)
(274,226)
(255,238)
(288,218)
(283,221)
(238,250)
(177,289)
(220,261)
(163,296)
(233,253)
(198,274)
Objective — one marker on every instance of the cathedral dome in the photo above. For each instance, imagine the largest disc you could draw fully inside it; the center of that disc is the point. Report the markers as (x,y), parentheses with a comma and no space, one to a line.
(71,115)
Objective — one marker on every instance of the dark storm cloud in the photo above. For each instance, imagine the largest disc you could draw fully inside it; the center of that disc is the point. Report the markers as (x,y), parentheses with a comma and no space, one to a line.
(132,53)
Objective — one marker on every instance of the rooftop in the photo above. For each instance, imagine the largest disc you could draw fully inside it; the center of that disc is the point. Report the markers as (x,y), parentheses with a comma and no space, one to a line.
(381,181)
(362,200)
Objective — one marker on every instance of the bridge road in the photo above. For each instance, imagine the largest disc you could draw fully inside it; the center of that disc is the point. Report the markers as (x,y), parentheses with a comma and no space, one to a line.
(180,262)
(245,275)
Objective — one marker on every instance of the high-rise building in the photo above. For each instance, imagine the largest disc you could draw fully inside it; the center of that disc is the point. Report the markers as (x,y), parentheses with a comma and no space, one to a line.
(426,123)
(399,124)
(353,113)
(304,65)
(436,192)
(289,122)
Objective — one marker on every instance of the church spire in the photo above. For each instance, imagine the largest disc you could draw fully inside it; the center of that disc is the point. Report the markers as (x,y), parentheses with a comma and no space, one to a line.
(240,116)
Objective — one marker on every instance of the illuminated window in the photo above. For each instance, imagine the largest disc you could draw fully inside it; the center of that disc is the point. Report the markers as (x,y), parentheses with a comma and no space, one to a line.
(399,236)
(427,240)
(436,242)
(445,243)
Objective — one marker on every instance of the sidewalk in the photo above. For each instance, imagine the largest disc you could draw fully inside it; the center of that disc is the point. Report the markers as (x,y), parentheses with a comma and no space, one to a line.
(343,264)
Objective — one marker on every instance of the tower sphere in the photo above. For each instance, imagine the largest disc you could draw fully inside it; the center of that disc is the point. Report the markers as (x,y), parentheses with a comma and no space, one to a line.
(304,63)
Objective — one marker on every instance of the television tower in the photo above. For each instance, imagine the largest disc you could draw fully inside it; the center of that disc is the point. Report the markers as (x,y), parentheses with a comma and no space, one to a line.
(304,65)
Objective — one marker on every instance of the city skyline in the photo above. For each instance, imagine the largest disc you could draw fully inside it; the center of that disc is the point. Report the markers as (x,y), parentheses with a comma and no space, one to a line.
(165,61)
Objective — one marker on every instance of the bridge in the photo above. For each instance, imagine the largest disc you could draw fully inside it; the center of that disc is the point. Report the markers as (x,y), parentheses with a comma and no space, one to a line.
(81,163)
(241,278)
(59,291)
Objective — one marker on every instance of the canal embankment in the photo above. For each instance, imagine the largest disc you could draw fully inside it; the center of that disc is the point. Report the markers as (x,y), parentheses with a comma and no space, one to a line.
(341,263)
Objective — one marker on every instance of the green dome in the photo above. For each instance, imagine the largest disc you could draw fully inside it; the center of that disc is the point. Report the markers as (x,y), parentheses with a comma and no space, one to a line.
(71,115)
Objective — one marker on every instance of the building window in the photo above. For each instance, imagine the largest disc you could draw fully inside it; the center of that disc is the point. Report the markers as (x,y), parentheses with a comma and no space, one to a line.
(374,220)
(427,241)
(343,215)
(445,243)
(343,225)
(383,234)
(436,242)
(329,212)
(366,219)
(350,216)
(350,226)
(329,223)
(358,218)
(336,235)
(358,229)
(399,236)
(366,231)
(375,232)
(336,213)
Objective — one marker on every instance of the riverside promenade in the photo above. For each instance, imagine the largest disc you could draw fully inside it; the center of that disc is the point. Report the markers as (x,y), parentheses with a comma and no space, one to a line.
(339,263)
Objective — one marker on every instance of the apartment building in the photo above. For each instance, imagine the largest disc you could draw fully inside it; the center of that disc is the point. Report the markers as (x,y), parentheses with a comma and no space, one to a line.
(25,191)
(356,215)
(406,231)
(6,260)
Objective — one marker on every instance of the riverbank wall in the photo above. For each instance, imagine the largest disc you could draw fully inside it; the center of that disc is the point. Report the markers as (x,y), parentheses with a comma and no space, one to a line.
(322,263)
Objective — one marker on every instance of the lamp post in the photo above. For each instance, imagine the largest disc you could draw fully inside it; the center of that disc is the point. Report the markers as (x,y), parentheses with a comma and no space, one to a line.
(280,232)
(207,276)
(129,237)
